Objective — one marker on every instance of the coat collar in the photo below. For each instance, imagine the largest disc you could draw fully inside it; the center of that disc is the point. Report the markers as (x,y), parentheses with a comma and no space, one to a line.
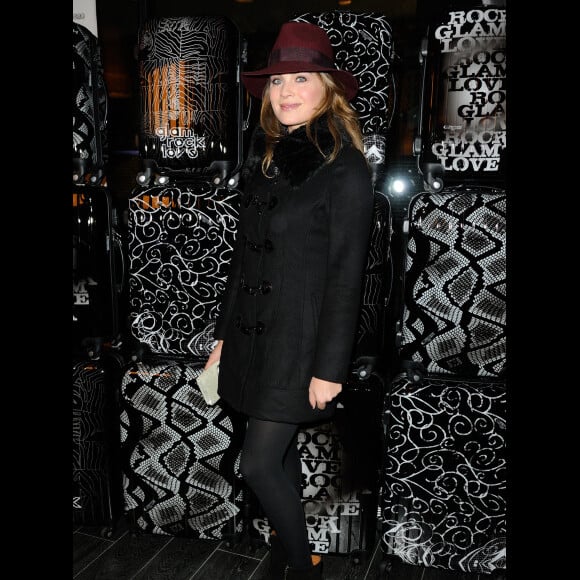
(296,158)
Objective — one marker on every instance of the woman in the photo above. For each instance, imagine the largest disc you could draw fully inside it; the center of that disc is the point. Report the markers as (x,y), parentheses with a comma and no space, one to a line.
(289,314)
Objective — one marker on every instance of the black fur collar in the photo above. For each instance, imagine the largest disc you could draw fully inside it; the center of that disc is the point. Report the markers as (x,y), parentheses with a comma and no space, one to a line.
(296,158)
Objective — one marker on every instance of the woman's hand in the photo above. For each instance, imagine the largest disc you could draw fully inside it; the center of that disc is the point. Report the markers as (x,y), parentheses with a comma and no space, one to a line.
(215,354)
(322,392)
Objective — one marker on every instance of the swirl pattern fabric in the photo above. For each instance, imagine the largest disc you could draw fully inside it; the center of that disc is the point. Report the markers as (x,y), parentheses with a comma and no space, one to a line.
(454,318)
(190,91)
(363,45)
(443,502)
(89,99)
(181,474)
(180,244)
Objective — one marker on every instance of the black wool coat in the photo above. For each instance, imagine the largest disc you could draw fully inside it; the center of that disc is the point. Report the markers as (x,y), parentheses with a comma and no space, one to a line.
(291,304)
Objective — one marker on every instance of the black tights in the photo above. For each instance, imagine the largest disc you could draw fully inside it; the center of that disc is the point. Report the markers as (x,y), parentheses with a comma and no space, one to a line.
(271,466)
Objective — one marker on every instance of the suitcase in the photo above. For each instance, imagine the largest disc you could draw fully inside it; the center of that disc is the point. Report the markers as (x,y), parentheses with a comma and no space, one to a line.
(454,312)
(339,491)
(180,456)
(89,102)
(181,237)
(377,282)
(443,502)
(363,44)
(191,96)
(97,257)
(443,483)
(462,124)
(96,469)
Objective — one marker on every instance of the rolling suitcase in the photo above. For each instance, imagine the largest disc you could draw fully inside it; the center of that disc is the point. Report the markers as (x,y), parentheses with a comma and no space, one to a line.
(462,136)
(89,102)
(443,488)
(443,503)
(97,257)
(96,469)
(181,456)
(191,96)
(181,238)
(377,282)
(339,492)
(455,283)
(363,44)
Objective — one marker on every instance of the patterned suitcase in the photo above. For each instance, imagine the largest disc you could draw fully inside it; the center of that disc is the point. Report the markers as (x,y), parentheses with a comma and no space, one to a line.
(443,483)
(455,283)
(444,497)
(462,135)
(181,238)
(181,457)
(96,469)
(339,474)
(191,96)
(363,44)
(97,257)
(89,103)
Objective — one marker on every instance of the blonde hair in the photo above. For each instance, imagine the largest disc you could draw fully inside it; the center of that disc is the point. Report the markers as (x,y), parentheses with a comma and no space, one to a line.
(338,113)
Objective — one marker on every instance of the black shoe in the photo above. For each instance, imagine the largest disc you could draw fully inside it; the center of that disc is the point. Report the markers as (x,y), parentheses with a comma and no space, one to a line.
(278,559)
(313,573)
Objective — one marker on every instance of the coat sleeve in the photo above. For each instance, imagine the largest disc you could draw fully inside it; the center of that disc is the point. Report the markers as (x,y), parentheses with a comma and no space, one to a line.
(350,208)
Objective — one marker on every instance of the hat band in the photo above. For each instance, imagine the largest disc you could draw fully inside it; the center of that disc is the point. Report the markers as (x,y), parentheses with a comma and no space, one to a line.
(299,54)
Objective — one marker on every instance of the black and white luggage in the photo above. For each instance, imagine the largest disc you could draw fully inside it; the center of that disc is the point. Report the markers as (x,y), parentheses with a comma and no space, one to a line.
(462,137)
(443,489)
(181,238)
(96,468)
(181,471)
(454,318)
(89,102)
(338,485)
(97,257)
(443,502)
(363,44)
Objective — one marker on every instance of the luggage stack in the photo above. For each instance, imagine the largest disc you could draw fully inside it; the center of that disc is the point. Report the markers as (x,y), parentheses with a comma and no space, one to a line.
(181,456)
(443,488)
(96,332)
(340,459)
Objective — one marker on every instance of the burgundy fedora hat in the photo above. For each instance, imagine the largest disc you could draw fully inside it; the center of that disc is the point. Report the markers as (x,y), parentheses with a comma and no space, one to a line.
(300,47)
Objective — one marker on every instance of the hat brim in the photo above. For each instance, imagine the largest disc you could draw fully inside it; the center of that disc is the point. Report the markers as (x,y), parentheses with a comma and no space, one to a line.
(255,81)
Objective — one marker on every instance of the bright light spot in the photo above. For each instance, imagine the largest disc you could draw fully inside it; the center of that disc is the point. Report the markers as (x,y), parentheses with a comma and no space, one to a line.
(398,185)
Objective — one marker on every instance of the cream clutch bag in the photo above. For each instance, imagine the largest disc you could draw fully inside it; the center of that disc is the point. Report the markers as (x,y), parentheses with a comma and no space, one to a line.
(208,384)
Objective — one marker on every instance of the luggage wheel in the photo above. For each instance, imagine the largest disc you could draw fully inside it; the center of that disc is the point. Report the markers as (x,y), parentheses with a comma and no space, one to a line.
(385,568)
(106,532)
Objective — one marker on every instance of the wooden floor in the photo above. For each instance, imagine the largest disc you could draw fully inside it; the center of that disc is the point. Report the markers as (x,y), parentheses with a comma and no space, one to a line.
(129,556)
